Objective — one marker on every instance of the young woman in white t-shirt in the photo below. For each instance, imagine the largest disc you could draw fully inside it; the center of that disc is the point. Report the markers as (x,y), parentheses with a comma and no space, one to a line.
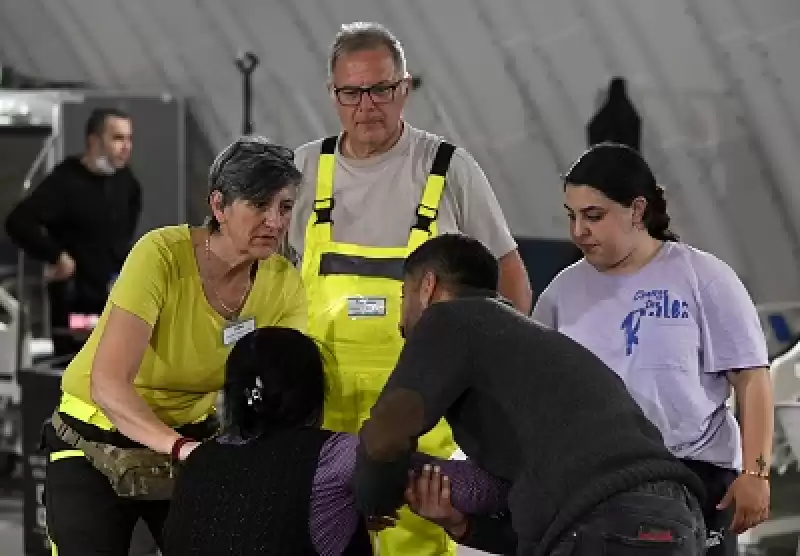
(676,324)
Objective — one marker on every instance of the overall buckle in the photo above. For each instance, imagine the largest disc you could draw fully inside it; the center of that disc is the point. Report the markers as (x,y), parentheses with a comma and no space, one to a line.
(424,220)
(323,208)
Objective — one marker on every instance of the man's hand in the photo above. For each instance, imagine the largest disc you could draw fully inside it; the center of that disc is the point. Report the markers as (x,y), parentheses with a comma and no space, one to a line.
(750,497)
(429,496)
(62,270)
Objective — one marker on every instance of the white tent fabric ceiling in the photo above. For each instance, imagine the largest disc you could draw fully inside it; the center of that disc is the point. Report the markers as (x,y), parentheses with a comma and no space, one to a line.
(716,82)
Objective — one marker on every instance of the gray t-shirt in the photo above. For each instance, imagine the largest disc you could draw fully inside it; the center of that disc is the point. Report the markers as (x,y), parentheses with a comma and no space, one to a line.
(670,331)
(376,199)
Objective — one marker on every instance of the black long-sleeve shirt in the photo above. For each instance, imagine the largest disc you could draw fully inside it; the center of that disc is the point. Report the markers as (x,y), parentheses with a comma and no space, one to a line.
(527,404)
(90,216)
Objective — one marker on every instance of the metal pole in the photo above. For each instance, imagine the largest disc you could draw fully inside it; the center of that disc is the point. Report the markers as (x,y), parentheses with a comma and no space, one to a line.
(246,63)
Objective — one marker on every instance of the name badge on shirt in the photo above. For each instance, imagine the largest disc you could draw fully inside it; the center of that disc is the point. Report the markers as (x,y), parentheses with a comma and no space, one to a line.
(236,330)
(366,306)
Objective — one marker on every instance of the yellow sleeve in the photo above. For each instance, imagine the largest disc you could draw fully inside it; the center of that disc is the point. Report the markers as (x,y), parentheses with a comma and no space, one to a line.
(295,314)
(141,286)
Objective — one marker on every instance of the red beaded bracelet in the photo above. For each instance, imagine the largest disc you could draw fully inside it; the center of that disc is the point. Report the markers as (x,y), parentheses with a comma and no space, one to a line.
(175,453)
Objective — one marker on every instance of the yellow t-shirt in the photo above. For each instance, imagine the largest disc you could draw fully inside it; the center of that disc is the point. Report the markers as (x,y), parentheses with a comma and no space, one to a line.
(183,366)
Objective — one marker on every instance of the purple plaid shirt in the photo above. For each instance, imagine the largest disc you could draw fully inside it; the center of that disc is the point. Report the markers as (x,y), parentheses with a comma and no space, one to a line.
(333,512)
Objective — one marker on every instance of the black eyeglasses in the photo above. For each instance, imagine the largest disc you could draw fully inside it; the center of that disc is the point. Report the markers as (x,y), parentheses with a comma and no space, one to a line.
(382,93)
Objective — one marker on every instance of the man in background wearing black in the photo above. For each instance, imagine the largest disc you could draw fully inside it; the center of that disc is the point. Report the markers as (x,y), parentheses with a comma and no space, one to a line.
(81,220)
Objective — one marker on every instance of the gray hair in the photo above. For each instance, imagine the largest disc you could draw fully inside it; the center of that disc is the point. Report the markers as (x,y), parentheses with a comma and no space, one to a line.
(359,36)
(252,169)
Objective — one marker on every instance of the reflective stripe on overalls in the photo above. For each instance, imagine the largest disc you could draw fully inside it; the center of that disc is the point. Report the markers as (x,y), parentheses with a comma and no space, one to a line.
(354,294)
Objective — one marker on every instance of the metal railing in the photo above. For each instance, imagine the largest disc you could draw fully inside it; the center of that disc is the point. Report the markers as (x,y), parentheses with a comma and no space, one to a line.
(22,294)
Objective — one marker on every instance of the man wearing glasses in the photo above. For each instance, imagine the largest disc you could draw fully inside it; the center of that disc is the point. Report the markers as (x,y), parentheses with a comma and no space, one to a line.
(371,195)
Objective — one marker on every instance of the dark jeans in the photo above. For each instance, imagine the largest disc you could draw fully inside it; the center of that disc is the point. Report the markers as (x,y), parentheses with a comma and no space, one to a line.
(656,518)
(721,541)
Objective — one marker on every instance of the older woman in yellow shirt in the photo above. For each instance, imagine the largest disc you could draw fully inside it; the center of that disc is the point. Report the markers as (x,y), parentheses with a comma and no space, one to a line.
(149,375)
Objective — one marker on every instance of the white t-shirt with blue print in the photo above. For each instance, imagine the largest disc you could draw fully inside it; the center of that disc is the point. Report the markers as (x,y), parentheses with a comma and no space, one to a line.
(670,331)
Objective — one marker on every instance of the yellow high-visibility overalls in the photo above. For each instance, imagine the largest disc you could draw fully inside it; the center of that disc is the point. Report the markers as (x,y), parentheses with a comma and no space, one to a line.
(354,294)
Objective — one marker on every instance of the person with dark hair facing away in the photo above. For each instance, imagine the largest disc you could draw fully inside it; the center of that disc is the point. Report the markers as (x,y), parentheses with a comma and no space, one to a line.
(141,392)
(81,220)
(617,119)
(274,482)
(589,473)
(677,325)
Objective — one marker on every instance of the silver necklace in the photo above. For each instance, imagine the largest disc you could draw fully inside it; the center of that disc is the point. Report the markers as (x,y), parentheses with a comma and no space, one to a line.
(214,290)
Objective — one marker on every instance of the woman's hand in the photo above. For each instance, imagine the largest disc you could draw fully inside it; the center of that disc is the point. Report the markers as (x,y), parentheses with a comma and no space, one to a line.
(750,498)
(428,495)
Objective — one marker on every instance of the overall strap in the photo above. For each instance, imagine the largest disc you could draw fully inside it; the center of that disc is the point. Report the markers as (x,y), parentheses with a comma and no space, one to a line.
(322,217)
(428,209)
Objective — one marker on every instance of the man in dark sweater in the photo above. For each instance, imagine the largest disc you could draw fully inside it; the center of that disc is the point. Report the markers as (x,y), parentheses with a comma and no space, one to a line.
(81,220)
(590,474)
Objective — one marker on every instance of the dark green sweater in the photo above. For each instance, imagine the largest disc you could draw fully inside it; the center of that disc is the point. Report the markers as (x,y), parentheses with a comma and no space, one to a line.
(527,404)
